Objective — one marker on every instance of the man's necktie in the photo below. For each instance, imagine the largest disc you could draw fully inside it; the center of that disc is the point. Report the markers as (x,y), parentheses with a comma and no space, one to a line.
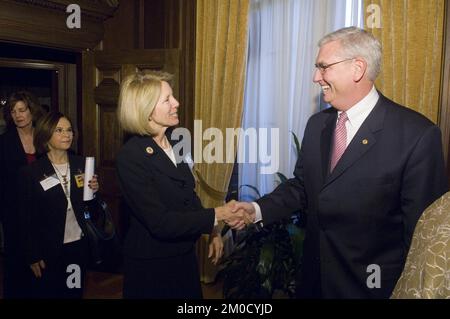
(340,140)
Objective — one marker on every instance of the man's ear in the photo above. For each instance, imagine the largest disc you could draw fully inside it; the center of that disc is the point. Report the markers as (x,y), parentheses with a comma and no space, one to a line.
(360,68)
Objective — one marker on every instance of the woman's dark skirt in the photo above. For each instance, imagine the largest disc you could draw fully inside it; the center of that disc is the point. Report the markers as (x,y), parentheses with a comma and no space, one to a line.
(174,277)
(63,277)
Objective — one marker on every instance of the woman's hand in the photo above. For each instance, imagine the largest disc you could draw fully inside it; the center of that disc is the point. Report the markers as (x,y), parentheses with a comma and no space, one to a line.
(93,183)
(37,268)
(215,249)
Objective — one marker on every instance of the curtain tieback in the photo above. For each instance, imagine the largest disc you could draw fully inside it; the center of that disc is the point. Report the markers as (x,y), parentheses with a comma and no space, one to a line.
(211,191)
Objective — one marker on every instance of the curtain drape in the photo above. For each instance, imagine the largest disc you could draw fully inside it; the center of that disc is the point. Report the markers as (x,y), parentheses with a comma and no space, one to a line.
(411,34)
(221,47)
(279,93)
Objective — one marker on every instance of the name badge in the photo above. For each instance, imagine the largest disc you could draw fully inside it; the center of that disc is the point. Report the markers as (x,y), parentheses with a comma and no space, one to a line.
(79,180)
(49,182)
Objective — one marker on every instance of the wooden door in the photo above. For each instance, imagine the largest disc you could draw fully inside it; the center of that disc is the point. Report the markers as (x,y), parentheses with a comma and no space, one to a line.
(102,136)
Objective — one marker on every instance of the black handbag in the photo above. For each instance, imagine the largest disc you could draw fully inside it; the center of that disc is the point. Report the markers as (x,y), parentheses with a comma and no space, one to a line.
(101,232)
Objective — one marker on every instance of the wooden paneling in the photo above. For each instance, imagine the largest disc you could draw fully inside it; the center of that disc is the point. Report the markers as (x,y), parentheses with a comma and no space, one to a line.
(158,24)
(174,17)
(110,137)
(121,30)
(154,26)
(107,90)
(43,23)
(89,108)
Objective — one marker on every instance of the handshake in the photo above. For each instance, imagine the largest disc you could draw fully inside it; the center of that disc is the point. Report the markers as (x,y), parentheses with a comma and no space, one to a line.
(236,214)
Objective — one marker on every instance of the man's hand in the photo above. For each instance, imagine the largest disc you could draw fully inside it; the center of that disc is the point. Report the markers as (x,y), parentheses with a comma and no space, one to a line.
(248,212)
(236,214)
(225,213)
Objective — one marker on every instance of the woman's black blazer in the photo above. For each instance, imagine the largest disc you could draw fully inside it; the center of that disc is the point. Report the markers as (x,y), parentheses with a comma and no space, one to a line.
(166,215)
(12,158)
(43,213)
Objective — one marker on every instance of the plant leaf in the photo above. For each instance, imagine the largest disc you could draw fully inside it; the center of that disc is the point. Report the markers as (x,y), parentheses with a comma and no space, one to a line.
(297,143)
(282,177)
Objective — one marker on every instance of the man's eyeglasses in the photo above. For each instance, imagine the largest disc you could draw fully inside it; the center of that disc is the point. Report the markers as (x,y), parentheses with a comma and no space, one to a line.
(60,131)
(323,67)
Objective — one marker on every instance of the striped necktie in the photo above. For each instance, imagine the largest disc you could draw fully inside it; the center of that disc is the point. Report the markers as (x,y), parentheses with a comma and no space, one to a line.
(340,140)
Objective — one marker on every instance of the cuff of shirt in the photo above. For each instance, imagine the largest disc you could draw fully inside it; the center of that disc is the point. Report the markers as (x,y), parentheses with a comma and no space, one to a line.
(258,215)
(215,222)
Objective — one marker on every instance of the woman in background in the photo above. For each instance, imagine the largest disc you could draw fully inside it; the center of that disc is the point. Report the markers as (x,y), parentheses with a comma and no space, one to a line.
(167,217)
(52,212)
(16,150)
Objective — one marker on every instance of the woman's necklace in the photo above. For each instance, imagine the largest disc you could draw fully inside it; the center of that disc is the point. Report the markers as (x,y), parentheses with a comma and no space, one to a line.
(64,181)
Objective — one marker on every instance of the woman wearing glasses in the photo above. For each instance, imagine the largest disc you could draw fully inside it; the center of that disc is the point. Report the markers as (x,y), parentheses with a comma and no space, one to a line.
(16,150)
(51,211)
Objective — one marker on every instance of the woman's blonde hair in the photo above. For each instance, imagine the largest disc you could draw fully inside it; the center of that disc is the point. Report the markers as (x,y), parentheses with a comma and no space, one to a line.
(139,94)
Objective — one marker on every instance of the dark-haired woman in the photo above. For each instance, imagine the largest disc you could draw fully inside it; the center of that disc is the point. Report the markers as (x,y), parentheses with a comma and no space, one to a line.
(16,150)
(51,210)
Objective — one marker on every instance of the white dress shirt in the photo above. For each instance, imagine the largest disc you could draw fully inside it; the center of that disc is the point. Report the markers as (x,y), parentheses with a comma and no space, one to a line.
(72,230)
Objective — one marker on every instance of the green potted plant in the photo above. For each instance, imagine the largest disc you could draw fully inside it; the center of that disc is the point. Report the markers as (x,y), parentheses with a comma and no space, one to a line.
(266,260)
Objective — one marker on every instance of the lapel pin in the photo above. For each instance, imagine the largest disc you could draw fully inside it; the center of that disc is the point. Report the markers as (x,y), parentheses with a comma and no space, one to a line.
(365,142)
(149,150)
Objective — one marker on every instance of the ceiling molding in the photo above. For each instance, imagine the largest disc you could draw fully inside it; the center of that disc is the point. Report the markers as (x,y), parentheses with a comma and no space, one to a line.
(43,22)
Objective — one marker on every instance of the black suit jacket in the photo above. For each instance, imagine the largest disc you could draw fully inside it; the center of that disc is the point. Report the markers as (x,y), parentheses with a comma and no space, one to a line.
(12,158)
(365,212)
(43,213)
(166,215)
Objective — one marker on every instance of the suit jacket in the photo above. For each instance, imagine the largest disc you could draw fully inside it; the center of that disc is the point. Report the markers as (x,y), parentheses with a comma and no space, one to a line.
(166,215)
(12,158)
(43,213)
(365,211)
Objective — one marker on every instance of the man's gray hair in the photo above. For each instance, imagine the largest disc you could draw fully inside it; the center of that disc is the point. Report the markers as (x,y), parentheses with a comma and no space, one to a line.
(357,42)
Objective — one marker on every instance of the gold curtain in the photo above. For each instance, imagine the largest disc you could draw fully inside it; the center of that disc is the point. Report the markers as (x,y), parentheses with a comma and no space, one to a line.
(219,92)
(411,35)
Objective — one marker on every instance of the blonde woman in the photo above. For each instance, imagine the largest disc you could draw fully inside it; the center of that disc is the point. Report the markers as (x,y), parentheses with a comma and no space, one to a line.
(166,216)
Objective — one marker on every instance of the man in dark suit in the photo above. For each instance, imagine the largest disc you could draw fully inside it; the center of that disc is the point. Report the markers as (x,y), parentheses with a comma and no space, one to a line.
(367,170)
